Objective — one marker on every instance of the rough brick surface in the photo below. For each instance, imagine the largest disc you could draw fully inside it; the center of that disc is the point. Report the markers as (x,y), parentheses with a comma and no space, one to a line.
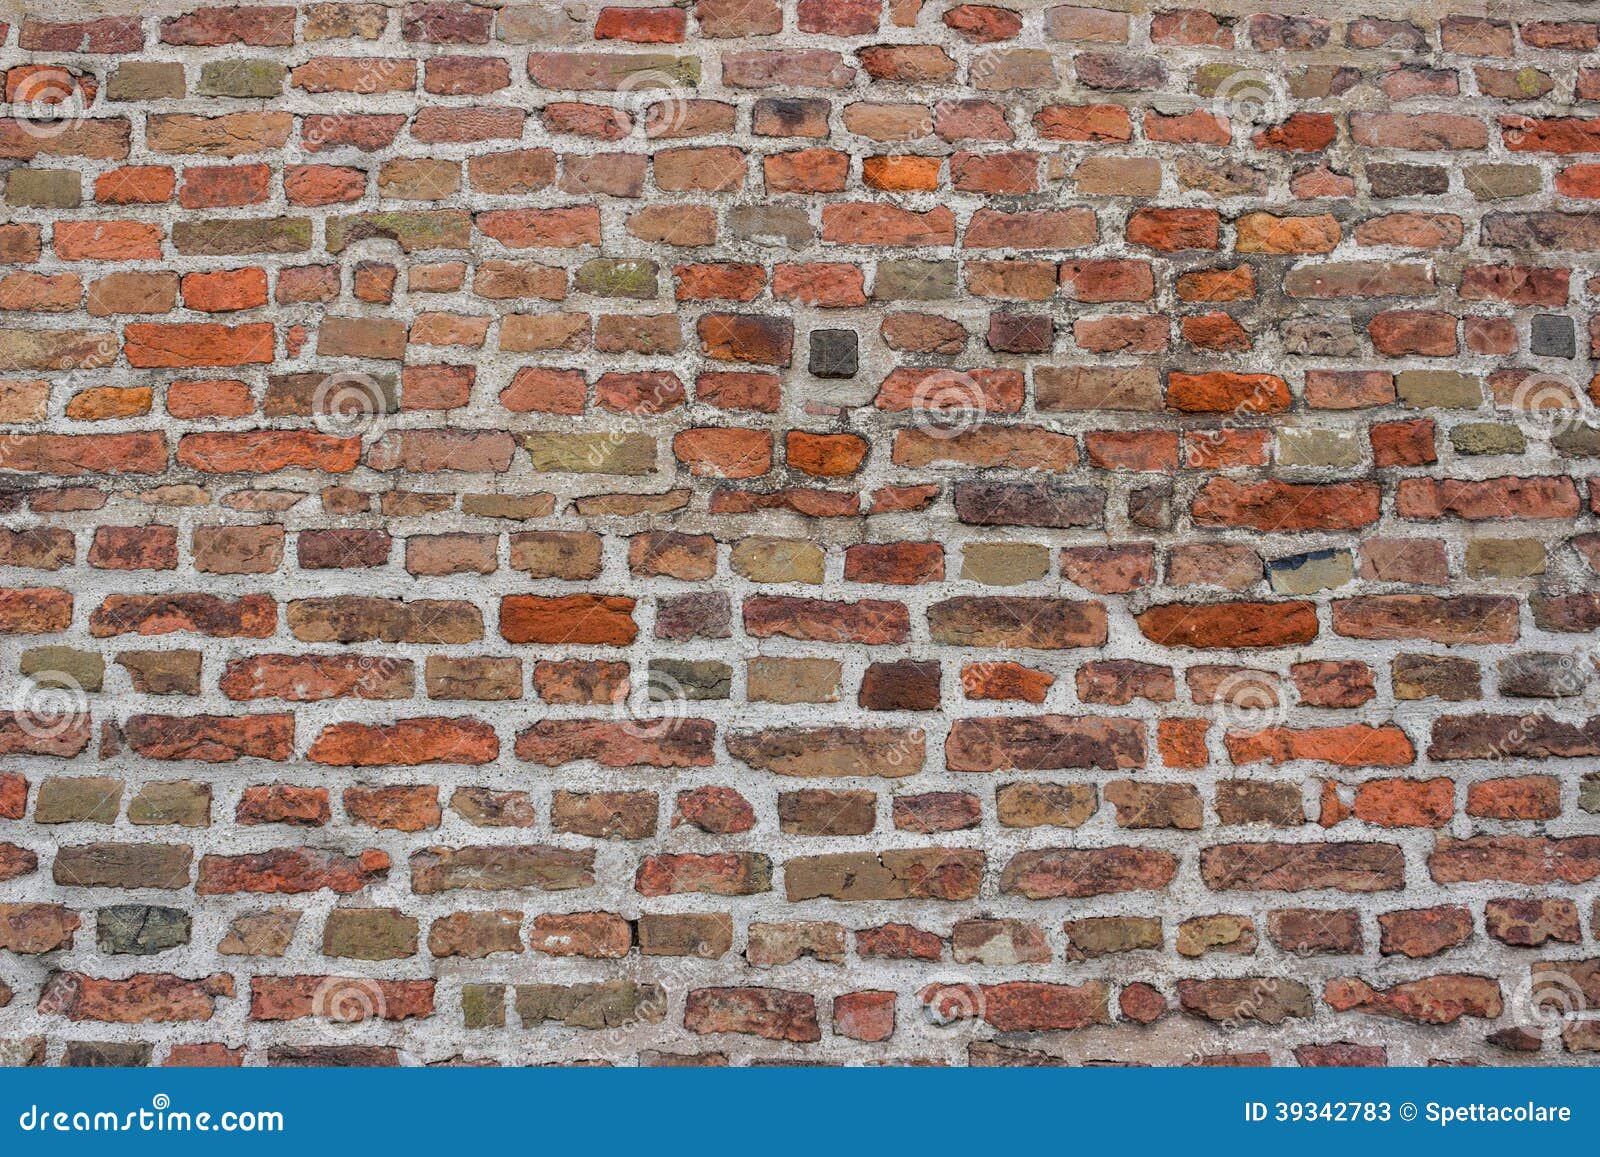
(849,530)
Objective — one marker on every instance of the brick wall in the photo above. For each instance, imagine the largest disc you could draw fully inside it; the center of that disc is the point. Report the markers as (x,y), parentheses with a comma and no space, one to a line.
(836,531)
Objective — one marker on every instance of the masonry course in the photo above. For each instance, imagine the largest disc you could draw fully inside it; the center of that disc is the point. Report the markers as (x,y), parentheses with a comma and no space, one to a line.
(800,531)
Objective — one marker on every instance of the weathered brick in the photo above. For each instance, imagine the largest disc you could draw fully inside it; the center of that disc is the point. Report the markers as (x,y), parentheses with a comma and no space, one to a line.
(892,477)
